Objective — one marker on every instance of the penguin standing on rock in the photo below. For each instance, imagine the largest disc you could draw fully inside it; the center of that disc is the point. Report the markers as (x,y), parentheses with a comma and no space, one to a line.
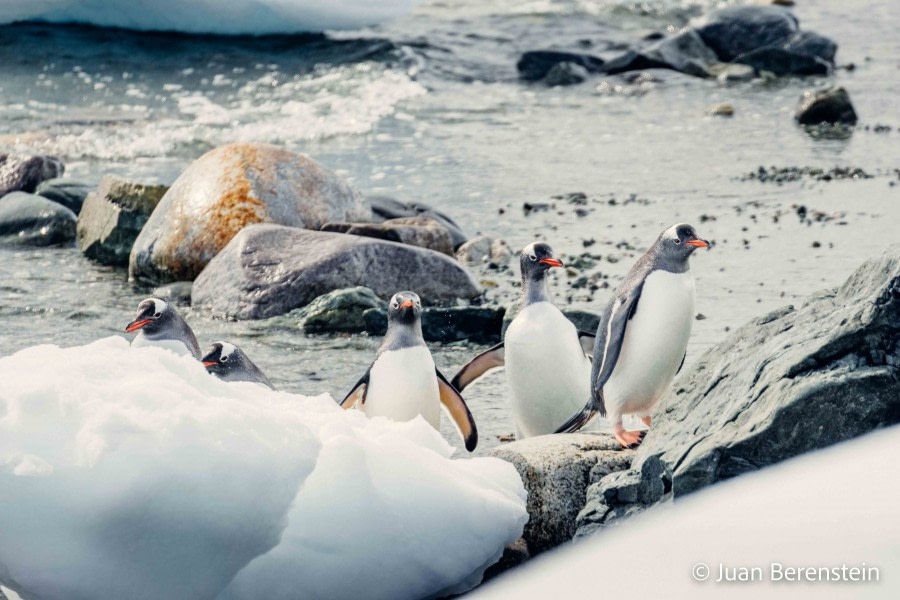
(643,334)
(229,363)
(546,359)
(159,324)
(403,382)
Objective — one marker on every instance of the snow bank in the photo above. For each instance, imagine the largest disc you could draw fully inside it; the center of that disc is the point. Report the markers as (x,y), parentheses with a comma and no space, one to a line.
(826,509)
(209,16)
(132,473)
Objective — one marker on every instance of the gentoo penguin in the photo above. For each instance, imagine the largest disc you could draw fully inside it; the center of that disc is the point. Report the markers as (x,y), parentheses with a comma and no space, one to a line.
(546,365)
(161,325)
(403,382)
(643,334)
(229,363)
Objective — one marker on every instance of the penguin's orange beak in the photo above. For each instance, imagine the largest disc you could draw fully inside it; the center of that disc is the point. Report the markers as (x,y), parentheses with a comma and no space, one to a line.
(209,363)
(406,303)
(551,261)
(137,324)
(698,243)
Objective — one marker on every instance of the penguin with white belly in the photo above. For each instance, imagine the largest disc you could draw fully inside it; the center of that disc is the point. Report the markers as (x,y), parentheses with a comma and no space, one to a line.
(159,324)
(403,382)
(546,358)
(642,337)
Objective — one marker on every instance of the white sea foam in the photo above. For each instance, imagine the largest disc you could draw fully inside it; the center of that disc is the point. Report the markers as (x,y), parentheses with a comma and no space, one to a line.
(209,16)
(132,473)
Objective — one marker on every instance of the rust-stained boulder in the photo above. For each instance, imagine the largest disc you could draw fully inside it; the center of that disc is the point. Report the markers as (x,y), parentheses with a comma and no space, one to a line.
(231,187)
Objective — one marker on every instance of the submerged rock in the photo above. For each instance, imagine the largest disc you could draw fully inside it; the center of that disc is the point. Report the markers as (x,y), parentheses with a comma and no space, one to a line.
(339,311)
(566,73)
(231,187)
(779,61)
(385,208)
(32,220)
(423,232)
(112,218)
(736,30)
(535,65)
(23,173)
(831,105)
(68,192)
(481,325)
(269,270)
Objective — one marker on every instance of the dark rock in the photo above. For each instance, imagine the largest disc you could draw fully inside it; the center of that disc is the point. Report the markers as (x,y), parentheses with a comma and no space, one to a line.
(423,232)
(20,173)
(178,292)
(68,192)
(339,311)
(555,470)
(633,60)
(513,555)
(376,321)
(814,44)
(452,324)
(269,270)
(112,218)
(831,105)
(784,62)
(683,52)
(736,30)
(385,208)
(536,64)
(565,73)
(32,220)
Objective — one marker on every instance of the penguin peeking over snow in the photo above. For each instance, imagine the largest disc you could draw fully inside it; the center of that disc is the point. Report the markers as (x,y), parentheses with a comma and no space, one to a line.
(230,363)
(642,337)
(403,382)
(159,324)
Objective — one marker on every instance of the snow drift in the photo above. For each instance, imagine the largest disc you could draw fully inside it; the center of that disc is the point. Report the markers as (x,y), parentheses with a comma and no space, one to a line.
(255,17)
(132,473)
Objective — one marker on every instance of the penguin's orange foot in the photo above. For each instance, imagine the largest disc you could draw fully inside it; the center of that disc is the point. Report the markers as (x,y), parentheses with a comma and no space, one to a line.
(630,439)
(646,420)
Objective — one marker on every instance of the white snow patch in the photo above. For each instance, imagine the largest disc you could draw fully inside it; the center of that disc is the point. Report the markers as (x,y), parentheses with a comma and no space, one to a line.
(132,473)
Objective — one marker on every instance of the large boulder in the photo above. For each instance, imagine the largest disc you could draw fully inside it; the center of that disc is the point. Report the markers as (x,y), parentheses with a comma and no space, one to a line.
(798,379)
(556,471)
(338,311)
(423,232)
(68,192)
(385,208)
(736,30)
(231,187)
(112,218)
(830,106)
(33,220)
(22,173)
(269,270)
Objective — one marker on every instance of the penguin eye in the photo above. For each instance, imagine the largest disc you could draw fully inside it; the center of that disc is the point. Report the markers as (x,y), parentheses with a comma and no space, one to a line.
(677,241)
(157,315)
(223,358)
(532,257)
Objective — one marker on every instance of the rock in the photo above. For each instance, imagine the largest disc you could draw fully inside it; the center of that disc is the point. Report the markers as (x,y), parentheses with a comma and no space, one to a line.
(339,311)
(732,72)
(227,189)
(784,62)
(178,292)
(23,173)
(423,232)
(813,44)
(480,325)
(68,192)
(795,380)
(375,320)
(683,52)
(736,30)
(385,209)
(112,218)
(500,251)
(555,471)
(632,60)
(830,105)
(535,65)
(513,555)
(725,109)
(269,270)
(32,220)
(565,73)
(475,251)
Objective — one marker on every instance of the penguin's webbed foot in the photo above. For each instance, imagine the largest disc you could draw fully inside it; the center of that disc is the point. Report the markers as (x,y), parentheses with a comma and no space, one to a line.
(630,439)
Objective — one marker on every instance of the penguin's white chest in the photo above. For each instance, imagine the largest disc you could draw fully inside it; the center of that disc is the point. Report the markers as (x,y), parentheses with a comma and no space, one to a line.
(654,344)
(402,385)
(176,346)
(547,370)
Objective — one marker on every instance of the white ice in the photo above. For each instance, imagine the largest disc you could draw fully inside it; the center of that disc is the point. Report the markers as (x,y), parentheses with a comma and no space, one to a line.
(825,509)
(132,473)
(209,16)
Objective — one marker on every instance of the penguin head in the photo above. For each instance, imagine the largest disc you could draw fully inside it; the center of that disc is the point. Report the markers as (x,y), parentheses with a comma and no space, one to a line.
(153,314)
(536,259)
(679,241)
(405,307)
(222,358)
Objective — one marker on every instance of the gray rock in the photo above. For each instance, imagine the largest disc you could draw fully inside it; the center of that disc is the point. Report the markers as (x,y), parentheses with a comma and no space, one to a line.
(178,292)
(32,220)
(779,61)
(269,270)
(22,173)
(227,189)
(481,325)
(112,218)
(555,470)
(385,208)
(565,73)
(423,232)
(500,251)
(736,30)
(68,192)
(813,44)
(535,65)
(339,311)
(684,52)
(830,105)
(633,60)
(475,251)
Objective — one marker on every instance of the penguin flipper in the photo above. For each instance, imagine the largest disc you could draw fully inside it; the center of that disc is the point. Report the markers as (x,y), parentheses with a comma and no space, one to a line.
(579,420)
(587,341)
(357,394)
(455,407)
(478,366)
(611,334)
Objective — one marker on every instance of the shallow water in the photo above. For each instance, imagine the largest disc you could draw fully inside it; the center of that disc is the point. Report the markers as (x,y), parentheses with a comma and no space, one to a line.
(427,107)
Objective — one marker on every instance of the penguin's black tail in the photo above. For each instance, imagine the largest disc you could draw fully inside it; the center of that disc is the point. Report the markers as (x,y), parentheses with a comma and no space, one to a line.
(579,421)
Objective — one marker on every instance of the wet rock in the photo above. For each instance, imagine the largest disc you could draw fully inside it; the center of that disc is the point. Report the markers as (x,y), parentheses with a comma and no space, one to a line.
(633,60)
(831,105)
(178,292)
(736,30)
(339,311)
(779,61)
(555,470)
(535,65)
(732,72)
(423,232)
(684,52)
(480,325)
(269,270)
(32,220)
(23,173)
(385,208)
(68,192)
(112,218)
(725,109)
(228,188)
(565,73)
(475,251)
(812,44)
(795,380)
